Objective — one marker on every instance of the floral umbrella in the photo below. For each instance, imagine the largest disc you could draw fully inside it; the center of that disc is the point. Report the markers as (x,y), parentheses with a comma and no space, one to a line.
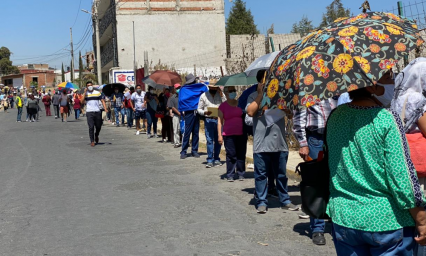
(349,54)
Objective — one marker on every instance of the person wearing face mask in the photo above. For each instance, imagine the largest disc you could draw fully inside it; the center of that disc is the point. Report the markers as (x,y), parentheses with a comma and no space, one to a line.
(231,134)
(118,104)
(129,109)
(166,121)
(93,112)
(138,98)
(173,106)
(152,102)
(385,94)
(213,98)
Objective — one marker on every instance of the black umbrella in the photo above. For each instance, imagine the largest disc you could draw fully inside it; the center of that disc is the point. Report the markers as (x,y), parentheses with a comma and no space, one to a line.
(108,89)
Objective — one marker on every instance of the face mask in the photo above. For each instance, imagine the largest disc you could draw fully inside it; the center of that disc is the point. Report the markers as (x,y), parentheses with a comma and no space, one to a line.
(232,95)
(138,90)
(177,91)
(387,97)
(90,88)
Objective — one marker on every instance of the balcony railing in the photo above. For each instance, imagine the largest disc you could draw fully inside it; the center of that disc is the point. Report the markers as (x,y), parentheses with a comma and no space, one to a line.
(106,20)
(107,54)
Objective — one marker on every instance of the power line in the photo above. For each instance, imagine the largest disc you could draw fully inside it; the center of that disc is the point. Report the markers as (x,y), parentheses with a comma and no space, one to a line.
(78,12)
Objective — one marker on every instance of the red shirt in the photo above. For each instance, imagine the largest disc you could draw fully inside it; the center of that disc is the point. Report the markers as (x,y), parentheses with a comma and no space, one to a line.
(77,103)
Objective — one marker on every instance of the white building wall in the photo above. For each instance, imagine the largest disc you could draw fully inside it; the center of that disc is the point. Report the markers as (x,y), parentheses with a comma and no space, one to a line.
(180,40)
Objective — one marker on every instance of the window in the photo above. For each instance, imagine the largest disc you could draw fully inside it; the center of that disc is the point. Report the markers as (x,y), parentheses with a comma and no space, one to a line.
(35,79)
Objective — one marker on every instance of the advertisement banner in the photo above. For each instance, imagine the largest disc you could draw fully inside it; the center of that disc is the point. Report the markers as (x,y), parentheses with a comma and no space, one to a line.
(124,77)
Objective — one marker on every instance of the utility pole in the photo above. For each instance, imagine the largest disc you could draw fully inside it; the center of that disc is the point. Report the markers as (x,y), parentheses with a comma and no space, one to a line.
(98,44)
(72,58)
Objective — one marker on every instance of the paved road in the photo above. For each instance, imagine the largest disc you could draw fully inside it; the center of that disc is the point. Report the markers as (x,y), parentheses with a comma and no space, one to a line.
(128,196)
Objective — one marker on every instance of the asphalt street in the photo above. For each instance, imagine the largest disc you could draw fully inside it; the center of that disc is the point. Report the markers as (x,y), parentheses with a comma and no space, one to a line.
(129,196)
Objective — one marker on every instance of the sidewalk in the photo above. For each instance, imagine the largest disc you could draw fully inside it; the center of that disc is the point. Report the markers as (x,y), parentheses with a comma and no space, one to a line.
(293,157)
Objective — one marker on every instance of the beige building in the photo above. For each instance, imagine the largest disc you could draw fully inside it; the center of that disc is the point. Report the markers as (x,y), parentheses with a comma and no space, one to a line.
(171,31)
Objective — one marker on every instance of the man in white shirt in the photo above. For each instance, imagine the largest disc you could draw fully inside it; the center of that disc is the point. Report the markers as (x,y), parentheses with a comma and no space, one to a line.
(213,98)
(138,107)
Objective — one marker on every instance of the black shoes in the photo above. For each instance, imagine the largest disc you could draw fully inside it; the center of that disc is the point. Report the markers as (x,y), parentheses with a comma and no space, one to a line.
(318,239)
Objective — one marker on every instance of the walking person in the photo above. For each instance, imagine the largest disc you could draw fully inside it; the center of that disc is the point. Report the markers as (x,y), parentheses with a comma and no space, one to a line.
(213,98)
(117,101)
(152,102)
(128,107)
(173,106)
(56,100)
(93,112)
(231,134)
(47,101)
(19,105)
(77,107)
(138,107)
(64,105)
(189,98)
(166,125)
(32,109)
(108,107)
(270,154)
(5,104)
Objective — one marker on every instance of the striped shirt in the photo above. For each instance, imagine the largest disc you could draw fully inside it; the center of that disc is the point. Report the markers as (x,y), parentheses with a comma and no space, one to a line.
(92,101)
(312,119)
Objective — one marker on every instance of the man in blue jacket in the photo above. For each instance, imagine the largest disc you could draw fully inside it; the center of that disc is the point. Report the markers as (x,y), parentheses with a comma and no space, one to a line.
(189,96)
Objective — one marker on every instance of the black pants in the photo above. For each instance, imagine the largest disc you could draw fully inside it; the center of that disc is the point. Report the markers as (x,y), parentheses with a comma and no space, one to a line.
(236,149)
(94,119)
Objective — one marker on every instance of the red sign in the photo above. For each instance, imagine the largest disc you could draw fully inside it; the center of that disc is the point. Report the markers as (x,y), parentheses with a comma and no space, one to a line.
(121,78)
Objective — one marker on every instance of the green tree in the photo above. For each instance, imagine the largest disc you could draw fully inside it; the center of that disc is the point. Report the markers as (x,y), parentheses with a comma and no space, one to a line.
(63,73)
(303,27)
(72,72)
(334,11)
(80,68)
(240,20)
(6,66)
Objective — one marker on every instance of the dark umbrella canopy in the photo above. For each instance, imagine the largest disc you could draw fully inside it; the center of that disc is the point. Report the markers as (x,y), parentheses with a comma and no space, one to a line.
(108,89)
(349,54)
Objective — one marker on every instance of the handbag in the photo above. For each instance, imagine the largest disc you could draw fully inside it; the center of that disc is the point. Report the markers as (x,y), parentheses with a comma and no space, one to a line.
(315,184)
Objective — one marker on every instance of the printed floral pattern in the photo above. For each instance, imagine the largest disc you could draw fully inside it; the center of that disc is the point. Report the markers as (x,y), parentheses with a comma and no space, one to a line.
(349,54)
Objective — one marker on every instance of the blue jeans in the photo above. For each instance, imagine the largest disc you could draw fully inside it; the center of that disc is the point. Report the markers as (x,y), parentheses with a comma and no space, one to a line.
(152,121)
(315,144)
(77,113)
(352,242)
(213,146)
(275,162)
(117,115)
(19,114)
(129,117)
(192,125)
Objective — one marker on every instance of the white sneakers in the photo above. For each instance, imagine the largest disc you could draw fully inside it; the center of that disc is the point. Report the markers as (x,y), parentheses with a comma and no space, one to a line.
(137,132)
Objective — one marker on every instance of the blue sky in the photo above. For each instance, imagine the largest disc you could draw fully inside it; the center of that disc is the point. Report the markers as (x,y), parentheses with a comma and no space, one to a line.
(32,29)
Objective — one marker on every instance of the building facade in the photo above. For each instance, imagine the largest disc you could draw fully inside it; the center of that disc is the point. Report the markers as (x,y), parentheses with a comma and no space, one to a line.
(171,31)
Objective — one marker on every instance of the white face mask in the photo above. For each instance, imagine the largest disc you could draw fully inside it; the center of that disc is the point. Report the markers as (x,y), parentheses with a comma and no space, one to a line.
(387,97)
(90,88)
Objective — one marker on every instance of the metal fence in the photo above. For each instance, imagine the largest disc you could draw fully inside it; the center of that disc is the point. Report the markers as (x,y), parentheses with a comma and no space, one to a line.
(413,10)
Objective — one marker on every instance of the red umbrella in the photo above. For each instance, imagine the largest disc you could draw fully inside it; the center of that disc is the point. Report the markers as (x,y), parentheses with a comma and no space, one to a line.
(165,78)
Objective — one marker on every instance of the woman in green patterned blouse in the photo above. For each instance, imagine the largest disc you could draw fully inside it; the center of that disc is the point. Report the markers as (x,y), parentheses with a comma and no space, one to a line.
(375,197)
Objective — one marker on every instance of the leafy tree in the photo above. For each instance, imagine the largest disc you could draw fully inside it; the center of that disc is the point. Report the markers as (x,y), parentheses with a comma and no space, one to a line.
(72,72)
(303,27)
(35,84)
(334,11)
(6,66)
(63,73)
(80,67)
(240,20)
